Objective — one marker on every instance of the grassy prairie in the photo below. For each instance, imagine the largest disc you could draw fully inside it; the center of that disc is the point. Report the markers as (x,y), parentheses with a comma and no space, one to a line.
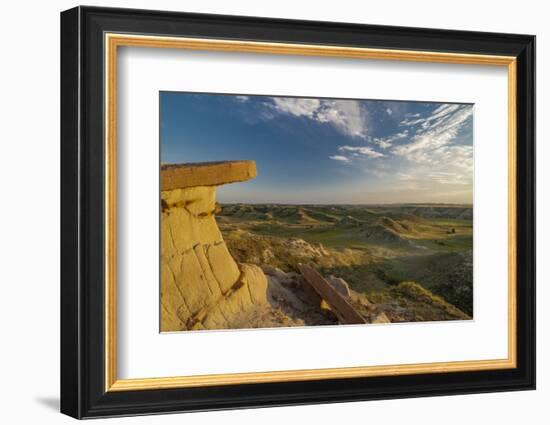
(417,258)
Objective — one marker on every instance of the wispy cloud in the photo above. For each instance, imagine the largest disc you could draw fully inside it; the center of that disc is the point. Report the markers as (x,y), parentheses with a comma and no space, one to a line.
(339,158)
(433,149)
(439,113)
(387,142)
(434,137)
(297,107)
(362,150)
(346,116)
(242,99)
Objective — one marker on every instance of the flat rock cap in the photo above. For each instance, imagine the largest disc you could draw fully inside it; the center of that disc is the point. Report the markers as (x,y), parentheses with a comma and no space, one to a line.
(179,176)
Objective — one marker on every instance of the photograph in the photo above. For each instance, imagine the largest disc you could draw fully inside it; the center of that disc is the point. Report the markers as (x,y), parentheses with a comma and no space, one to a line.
(280,211)
(287,210)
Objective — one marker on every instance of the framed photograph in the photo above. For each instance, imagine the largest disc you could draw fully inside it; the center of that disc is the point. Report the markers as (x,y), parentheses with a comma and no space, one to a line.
(261,212)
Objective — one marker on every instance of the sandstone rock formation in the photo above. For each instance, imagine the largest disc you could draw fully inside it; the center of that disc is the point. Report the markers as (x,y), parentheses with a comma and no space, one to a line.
(201,285)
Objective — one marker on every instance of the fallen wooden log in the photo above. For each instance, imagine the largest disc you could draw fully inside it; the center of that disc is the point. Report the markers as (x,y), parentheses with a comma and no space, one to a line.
(339,305)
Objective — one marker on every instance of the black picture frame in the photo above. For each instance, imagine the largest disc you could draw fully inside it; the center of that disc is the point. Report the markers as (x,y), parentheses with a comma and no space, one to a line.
(83,392)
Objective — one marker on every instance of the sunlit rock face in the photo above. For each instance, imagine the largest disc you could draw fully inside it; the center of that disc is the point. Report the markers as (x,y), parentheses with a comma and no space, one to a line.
(202,287)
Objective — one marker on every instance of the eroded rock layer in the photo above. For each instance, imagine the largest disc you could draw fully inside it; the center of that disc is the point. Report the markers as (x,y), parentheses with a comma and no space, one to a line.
(201,284)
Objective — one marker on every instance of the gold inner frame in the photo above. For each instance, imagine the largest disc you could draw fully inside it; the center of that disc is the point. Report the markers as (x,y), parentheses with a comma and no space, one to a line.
(113,41)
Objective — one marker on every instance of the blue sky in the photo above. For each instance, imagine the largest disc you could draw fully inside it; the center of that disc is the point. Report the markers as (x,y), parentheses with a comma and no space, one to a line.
(325,151)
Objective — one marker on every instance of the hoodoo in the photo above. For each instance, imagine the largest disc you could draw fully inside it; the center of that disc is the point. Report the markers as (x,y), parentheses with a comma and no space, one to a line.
(202,286)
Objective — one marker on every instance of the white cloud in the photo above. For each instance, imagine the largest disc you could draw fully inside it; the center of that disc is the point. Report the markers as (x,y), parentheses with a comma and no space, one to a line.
(363,150)
(297,107)
(346,116)
(242,99)
(438,115)
(437,131)
(339,158)
(433,152)
(386,142)
(389,111)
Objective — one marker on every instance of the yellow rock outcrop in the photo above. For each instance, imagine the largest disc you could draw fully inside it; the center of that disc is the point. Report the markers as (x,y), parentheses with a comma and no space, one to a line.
(202,287)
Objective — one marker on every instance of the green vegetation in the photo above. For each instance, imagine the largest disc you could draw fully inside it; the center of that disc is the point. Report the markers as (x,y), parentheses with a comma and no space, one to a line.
(414,259)
(411,302)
